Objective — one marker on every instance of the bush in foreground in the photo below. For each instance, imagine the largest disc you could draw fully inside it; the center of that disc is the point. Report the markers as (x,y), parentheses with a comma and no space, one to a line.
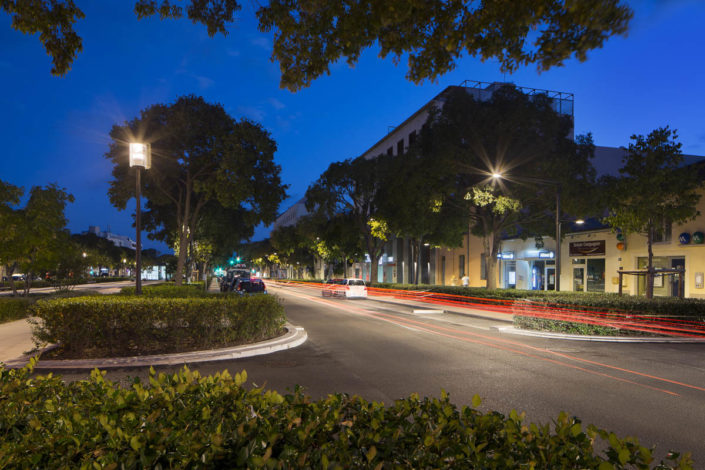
(188,421)
(114,326)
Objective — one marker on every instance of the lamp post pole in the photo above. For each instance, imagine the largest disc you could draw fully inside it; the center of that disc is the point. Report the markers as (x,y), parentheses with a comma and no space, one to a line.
(140,157)
(558,239)
(138,237)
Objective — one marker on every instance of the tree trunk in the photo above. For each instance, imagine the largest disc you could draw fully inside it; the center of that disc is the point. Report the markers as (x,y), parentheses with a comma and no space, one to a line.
(650,265)
(10,271)
(345,267)
(417,261)
(491,247)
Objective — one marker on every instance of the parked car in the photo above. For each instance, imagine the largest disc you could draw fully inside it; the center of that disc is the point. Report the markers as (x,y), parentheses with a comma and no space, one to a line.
(347,288)
(250,286)
(227,282)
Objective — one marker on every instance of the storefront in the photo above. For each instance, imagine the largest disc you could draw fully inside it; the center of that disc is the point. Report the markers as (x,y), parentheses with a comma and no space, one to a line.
(588,265)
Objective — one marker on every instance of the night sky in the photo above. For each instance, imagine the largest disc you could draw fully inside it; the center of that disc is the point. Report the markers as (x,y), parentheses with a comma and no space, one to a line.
(56,129)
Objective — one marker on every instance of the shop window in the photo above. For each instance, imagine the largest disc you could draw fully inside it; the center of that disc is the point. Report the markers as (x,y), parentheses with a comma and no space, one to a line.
(578,279)
(663,231)
(461,266)
(595,275)
(511,274)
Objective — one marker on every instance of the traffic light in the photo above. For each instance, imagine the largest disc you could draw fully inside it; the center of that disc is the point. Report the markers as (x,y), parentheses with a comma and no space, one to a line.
(231,261)
(237,259)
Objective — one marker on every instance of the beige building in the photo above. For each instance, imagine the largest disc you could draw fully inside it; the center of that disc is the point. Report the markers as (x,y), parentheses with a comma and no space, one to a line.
(590,261)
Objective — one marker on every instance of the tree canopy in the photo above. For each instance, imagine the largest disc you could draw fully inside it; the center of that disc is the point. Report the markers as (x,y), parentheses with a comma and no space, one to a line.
(520,137)
(34,237)
(351,189)
(310,36)
(212,177)
(654,189)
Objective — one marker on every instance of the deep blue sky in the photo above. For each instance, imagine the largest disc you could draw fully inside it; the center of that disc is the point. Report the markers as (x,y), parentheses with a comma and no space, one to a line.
(55,129)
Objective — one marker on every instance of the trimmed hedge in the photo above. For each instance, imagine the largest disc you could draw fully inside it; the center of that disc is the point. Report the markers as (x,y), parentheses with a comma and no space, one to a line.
(168,290)
(188,421)
(671,306)
(17,308)
(14,308)
(115,326)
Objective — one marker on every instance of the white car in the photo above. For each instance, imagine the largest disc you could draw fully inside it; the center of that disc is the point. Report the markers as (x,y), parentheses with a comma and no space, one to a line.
(348,288)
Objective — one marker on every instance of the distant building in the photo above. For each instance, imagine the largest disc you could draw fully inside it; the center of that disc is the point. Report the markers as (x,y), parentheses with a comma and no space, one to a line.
(122,241)
(291,215)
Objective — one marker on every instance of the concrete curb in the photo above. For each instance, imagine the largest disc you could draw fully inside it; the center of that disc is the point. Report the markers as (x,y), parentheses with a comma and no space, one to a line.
(295,336)
(607,339)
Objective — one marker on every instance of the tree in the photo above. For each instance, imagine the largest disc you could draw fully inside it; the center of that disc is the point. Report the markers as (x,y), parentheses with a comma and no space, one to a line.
(54,21)
(415,203)
(204,163)
(523,138)
(33,237)
(654,188)
(352,189)
(310,36)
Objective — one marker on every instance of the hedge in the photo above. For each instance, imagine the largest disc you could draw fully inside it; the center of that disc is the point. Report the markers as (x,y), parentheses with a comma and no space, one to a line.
(116,326)
(168,290)
(185,420)
(14,308)
(671,306)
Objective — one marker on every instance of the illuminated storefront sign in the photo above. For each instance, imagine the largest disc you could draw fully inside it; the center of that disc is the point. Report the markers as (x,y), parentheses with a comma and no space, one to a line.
(591,248)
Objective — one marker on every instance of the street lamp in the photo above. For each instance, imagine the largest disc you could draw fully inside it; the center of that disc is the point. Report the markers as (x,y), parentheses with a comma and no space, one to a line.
(557,185)
(140,157)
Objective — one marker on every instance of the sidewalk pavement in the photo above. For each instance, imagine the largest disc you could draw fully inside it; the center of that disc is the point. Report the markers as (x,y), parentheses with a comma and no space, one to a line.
(15,339)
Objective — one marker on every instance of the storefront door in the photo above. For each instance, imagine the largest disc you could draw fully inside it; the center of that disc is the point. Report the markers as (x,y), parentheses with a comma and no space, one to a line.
(550,278)
(676,263)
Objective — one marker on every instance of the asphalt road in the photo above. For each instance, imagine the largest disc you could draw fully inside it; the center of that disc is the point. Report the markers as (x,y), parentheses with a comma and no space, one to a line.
(383,351)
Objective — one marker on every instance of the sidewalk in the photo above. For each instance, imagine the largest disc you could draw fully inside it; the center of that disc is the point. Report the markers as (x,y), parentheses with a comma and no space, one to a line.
(15,339)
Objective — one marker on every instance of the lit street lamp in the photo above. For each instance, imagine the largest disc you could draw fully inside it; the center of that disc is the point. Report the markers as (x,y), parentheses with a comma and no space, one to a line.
(557,185)
(140,157)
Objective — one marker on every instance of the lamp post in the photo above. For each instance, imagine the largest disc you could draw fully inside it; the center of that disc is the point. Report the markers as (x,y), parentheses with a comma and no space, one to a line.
(140,157)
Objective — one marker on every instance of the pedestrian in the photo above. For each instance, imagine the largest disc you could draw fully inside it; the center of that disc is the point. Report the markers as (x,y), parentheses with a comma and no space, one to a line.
(466,281)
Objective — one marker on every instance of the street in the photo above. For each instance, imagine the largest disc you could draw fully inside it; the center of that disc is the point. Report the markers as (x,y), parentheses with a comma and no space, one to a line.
(382,351)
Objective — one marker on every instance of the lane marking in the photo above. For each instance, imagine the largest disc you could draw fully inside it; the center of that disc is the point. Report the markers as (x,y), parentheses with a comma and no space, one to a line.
(488,342)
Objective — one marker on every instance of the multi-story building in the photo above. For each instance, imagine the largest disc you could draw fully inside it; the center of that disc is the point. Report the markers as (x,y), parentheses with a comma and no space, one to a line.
(591,255)
(122,241)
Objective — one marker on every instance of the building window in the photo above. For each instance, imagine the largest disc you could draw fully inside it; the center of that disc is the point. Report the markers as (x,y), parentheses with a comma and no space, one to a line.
(483,267)
(412,137)
(663,231)
(461,266)
(400,147)
(390,151)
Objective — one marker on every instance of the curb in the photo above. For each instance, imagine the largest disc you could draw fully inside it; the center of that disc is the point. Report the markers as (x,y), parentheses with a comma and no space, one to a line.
(295,336)
(606,339)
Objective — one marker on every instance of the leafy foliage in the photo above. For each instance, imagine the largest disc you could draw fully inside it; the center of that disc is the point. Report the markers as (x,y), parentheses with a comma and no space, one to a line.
(519,136)
(186,420)
(351,190)
(310,36)
(113,326)
(55,20)
(212,179)
(654,188)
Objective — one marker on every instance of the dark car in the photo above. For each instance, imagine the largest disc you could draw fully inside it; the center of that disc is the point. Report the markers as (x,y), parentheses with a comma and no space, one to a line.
(250,286)
(227,283)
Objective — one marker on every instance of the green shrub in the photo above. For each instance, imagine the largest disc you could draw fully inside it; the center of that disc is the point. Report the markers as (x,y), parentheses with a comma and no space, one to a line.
(13,308)
(123,326)
(17,308)
(188,421)
(693,309)
(168,290)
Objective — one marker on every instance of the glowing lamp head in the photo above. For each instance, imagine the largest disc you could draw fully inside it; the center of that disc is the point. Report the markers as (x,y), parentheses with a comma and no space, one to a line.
(140,155)
(496,175)
(579,221)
